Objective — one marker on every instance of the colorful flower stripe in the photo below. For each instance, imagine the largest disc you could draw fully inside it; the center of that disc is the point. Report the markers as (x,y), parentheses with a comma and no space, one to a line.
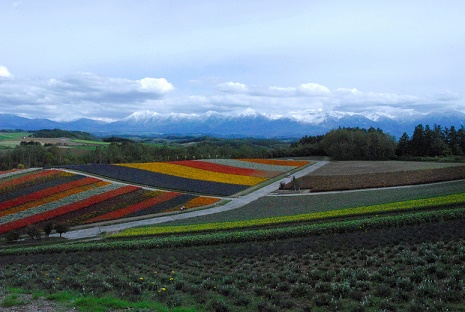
(201,201)
(159,208)
(19,223)
(134,208)
(195,174)
(53,198)
(8,185)
(47,192)
(13,172)
(194,203)
(279,162)
(248,164)
(112,204)
(52,181)
(225,169)
(160,180)
(58,203)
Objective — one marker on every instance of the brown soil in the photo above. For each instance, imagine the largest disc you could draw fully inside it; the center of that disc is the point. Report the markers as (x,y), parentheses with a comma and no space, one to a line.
(352,175)
(358,167)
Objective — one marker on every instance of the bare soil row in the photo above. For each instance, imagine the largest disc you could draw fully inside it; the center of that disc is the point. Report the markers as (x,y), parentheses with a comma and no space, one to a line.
(323,183)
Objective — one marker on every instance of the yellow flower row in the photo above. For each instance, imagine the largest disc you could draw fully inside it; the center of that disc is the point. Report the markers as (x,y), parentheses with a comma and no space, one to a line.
(390,207)
(195,174)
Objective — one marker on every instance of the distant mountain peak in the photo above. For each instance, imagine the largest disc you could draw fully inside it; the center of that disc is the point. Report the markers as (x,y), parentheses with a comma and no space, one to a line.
(246,123)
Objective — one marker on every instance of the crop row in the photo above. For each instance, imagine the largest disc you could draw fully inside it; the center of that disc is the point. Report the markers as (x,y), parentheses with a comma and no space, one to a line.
(321,183)
(210,166)
(190,172)
(160,180)
(19,200)
(29,179)
(334,227)
(13,172)
(428,203)
(258,164)
(278,162)
(74,199)
(55,180)
(64,202)
(52,199)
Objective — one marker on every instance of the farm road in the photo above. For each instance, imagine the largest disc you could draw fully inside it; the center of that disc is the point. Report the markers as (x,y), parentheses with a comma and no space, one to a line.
(233,204)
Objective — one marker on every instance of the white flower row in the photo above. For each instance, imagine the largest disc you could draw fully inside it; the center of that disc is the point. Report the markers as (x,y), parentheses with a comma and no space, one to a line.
(13,173)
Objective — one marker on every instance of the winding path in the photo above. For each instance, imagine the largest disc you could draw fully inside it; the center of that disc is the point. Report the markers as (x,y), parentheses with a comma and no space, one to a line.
(233,204)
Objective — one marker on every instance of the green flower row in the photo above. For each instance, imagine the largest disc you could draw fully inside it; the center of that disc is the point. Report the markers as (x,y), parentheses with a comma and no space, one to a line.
(307,230)
(417,204)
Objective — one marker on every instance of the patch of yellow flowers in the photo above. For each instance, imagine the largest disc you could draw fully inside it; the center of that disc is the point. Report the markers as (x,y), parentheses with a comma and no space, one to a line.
(195,174)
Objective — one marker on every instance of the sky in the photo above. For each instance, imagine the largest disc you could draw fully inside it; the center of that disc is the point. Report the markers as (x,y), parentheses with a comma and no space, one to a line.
(106,59)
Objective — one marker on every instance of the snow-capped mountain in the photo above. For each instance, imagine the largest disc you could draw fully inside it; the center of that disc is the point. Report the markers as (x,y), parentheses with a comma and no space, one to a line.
(249,123)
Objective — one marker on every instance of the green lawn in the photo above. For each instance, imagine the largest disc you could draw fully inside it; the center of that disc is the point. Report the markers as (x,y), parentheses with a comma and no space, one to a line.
(90,142)
(7,136)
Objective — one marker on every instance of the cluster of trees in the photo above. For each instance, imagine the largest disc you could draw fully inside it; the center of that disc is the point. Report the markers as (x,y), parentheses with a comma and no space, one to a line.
(432,142)
(373,144)
(35,232)
(348,144)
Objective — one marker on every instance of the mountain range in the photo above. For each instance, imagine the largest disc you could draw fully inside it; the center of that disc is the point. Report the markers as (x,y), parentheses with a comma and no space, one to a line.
(247,124)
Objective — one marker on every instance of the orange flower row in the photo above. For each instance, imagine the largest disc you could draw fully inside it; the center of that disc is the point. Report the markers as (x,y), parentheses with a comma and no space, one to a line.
(52,198)
(201,201)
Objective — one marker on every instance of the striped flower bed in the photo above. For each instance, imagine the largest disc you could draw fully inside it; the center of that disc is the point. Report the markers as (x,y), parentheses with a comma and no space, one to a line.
(53,196)
(190,172)
(160,180)
(218,177)
(210,166)
(13,172)
(28,180)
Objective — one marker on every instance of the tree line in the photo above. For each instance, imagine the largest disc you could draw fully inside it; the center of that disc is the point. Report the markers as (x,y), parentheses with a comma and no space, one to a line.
(339,144)
(374,144)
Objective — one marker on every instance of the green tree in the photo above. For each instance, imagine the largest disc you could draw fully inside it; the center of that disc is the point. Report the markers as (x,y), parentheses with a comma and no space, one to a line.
(61,228)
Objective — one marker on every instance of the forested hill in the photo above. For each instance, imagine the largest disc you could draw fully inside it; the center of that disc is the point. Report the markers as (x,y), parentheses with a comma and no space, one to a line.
(58,133)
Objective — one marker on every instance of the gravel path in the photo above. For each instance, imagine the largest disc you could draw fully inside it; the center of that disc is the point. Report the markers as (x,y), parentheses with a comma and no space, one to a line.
(233,204)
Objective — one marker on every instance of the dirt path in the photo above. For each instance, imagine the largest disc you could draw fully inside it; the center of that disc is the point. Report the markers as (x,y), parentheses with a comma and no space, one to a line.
(233,204)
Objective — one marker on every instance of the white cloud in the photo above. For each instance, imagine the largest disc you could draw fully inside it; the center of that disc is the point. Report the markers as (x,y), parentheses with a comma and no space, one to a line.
(157,85)
(232,87)
(80,95)
(4,73)
(313,89)
(87,95)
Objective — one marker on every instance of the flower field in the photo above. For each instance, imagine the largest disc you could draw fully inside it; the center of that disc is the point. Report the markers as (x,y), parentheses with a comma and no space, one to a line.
(220,177)
(52,196)
(418,204)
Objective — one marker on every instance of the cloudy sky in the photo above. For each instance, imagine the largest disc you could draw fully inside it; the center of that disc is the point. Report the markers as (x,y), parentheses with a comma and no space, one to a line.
(106,59)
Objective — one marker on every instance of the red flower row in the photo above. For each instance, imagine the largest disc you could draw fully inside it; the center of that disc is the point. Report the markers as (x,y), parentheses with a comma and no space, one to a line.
(5,186)
(224,168)
(65,209)
(47,192)
(136,207)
